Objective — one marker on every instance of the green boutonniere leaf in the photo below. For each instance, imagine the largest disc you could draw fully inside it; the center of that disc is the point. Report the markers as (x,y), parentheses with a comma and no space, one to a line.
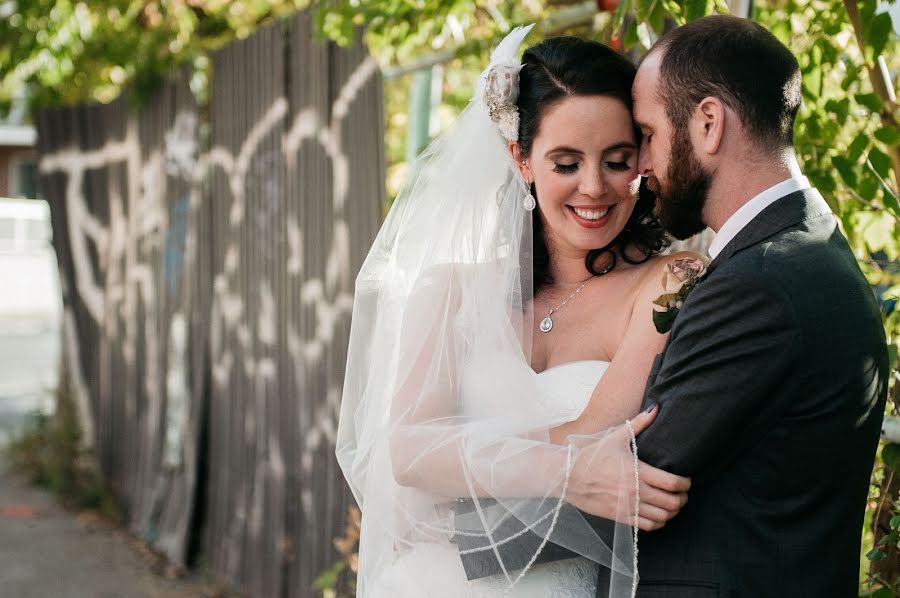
(663,320)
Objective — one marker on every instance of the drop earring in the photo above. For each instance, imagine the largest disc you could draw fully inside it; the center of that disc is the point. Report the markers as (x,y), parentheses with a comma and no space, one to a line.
(529,202)
(529,199)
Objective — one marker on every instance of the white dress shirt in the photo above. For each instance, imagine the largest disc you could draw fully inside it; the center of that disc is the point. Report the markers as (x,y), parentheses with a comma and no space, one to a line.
(751,210)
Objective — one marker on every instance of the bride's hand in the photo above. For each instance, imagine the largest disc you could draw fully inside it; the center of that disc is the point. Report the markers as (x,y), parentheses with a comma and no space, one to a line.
(603,482)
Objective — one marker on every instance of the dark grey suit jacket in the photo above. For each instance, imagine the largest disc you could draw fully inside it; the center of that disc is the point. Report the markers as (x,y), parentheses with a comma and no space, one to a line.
(771,390)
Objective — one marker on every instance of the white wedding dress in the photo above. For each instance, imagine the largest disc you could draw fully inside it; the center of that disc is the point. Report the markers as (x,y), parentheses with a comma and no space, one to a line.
(566,390)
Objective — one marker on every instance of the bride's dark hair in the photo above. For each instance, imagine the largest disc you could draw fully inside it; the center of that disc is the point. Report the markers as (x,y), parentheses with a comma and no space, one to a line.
(561,67)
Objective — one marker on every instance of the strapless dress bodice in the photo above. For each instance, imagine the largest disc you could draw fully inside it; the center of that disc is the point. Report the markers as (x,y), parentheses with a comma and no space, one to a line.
(556,395)
(566,388)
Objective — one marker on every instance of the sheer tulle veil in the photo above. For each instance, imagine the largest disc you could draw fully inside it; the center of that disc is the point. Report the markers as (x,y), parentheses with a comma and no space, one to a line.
(440,405)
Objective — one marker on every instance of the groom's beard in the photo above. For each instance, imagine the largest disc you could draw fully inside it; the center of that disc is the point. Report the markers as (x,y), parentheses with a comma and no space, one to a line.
(680,201)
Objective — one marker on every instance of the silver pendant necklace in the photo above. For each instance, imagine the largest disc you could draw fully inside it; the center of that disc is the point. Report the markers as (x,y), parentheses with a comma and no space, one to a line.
(546,324)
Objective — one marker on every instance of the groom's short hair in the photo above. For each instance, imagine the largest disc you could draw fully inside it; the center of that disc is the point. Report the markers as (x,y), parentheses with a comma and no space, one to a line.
(739,62)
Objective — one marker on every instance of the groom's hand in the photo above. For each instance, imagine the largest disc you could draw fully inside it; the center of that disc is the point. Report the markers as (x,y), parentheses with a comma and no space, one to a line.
(603,480)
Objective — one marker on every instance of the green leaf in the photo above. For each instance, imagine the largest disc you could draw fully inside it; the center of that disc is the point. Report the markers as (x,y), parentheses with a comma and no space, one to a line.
(888,135)
(845,168)
(890,454)
(827,185)
(851,76)
(890,199)
(722,7)
(849,223)
(839,108)
(879,33)
(631,35)
(813,129)
(866,12)
(875,555)
(832,27)
(892,365)
(782,30)
(881,162)
(812,83)
(657,20)
(859,145)
(883,593)
(830,52)
(870,101)
(895,520)
(663,320)
(697,9)
(675,9)
(868,185)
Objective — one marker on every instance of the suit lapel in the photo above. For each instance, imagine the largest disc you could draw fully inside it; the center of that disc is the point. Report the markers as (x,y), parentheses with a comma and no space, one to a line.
(785,212)
(790,210)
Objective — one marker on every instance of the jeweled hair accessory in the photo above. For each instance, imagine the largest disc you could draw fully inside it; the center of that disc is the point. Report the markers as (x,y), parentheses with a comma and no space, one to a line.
(500,84)
(500,94)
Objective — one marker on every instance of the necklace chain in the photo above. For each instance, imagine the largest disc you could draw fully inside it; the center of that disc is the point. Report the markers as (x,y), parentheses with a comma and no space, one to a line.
(546,324)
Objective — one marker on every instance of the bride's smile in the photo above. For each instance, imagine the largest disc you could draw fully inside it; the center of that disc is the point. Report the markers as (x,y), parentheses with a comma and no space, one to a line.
(584,175)
(593,217)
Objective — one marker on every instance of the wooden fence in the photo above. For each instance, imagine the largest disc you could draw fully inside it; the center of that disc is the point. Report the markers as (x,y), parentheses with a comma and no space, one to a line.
(207,260)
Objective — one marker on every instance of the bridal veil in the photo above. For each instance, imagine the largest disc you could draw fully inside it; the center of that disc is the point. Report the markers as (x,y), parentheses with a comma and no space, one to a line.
(442,437)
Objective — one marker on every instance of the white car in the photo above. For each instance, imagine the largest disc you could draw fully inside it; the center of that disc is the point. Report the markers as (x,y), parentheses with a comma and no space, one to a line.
(30,312)
(30,299)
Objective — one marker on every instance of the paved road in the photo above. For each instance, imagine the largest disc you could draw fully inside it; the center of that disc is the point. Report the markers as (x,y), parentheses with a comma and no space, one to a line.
(48,552)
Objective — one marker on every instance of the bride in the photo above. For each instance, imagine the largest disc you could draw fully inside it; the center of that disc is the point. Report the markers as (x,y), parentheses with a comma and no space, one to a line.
(504,308)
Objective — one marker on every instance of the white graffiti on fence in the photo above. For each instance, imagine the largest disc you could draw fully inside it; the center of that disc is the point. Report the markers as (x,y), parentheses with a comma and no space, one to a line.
(123,284)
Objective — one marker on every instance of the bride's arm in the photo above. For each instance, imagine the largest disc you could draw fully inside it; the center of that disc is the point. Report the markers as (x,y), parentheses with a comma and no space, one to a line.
(431,440)
(619,393)
(434,447)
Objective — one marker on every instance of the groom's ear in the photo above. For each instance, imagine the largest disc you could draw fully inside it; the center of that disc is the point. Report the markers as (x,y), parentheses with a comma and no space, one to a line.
(709,125)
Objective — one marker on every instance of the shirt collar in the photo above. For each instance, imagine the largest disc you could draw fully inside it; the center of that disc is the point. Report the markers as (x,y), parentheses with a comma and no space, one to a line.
(750,210)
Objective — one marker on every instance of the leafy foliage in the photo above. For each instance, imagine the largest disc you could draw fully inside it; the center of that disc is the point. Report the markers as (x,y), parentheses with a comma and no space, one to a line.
(67,52)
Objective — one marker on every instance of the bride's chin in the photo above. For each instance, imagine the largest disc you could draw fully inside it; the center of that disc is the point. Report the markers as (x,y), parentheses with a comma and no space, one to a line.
(596,241)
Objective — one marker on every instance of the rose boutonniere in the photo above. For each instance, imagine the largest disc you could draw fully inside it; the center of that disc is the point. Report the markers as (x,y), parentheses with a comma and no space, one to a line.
(679,279)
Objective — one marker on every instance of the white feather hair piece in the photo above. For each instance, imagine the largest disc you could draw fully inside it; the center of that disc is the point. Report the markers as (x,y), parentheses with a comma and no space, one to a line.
(500,83)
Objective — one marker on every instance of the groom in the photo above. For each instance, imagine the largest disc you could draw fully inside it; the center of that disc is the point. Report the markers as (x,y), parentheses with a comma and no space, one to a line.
(772,384)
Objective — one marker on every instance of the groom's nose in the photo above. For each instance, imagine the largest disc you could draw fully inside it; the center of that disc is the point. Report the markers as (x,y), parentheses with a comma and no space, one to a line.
(645,165)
